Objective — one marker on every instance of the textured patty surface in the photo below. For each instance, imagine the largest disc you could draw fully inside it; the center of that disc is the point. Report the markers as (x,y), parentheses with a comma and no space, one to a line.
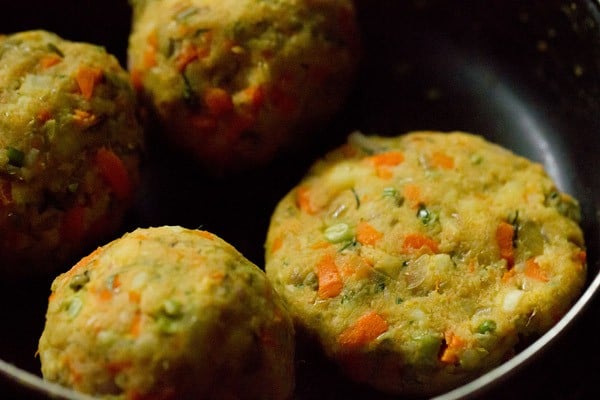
(420,261)
(234,81)
(168,313)
(69,148)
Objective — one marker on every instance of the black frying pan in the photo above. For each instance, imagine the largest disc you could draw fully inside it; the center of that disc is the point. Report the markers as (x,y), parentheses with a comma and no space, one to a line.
(525,74)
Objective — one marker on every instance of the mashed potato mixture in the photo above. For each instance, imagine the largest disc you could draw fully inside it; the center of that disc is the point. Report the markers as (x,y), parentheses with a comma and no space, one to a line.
(421,261)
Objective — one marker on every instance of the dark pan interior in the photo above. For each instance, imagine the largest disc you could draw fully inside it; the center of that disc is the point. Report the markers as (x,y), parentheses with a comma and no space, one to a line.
(525,74)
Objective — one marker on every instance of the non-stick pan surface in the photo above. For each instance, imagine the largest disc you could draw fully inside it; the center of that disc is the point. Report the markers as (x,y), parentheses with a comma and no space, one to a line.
(525,74)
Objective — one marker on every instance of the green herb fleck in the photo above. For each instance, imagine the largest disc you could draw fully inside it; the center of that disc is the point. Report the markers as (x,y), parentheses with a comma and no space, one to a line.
(16,157)
(356,198)
(189,96)
(513,219)
(379,287)
(52,47)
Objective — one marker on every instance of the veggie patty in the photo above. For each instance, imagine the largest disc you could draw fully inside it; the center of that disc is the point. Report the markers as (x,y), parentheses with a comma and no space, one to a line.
(70,145)
(420,261)
(233,82)
(171,313)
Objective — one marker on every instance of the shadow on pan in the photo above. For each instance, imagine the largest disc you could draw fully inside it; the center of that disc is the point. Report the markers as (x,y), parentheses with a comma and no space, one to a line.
(525,74)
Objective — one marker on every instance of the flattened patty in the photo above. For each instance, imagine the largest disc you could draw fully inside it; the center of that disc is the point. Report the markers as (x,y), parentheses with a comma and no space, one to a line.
(420,261)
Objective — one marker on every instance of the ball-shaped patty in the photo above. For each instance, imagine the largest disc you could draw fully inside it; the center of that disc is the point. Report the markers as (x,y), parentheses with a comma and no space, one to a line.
(233,82)
(172,313)
(420,261)
(70,146)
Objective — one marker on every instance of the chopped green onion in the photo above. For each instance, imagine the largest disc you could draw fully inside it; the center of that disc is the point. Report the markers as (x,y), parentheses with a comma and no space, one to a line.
(172,308)
(486,326)
(348,244)
(74,307)
(169,317)
(338,233)
(16,157)
(186,13)
(79,281)
(476,159)
(425,215)
(390,192)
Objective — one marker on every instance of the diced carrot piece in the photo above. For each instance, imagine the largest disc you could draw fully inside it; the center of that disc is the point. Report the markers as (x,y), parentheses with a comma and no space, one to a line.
(136,325)
(416,241)
(389,158)
(134,296)
(256,94)
(44,115)
(508,274)
(113,171)
(188,54)
(277,243)
(104,294)
(218,101)
(330,282)
(49,61)
(442,160)
(366,329)
(412,193)
(504,238)
(206,235)
(137,79)
(366,234)
(534,271)
(87,78)
(320,245)
(453,345)
(149,59)
(303,200)
(153,39)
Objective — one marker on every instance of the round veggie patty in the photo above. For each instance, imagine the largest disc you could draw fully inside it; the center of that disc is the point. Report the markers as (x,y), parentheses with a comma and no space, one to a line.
(70,145)
(233,82)
(420,261)
(171,313)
